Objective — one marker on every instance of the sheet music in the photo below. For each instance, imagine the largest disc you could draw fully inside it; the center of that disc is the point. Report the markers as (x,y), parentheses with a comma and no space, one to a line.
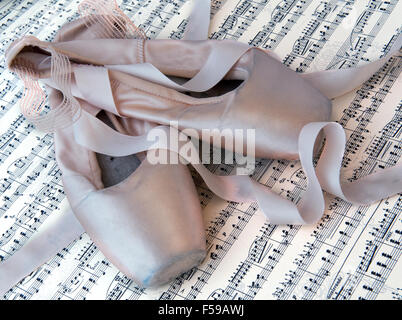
(352,253)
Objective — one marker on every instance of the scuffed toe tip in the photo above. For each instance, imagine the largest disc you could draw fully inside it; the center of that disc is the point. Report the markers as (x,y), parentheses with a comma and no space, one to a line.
(174,268)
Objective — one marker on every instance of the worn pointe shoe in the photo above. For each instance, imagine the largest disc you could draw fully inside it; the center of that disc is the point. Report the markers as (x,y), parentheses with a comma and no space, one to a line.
(147,229)
(150,230)
(128,69)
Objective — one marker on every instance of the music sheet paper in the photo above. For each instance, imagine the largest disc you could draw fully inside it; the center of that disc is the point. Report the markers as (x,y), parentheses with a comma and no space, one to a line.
(352,253)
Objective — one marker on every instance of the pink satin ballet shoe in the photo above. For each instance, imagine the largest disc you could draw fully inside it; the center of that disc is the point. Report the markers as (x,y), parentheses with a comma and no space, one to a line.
(147,225)
(143,90)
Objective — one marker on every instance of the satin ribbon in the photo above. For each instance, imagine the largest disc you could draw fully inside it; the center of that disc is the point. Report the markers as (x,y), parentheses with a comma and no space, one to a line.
(54,234)
(198,21)
(94,135)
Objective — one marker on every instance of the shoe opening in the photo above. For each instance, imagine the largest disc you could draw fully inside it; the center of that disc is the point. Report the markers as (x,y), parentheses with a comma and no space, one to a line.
(115,169)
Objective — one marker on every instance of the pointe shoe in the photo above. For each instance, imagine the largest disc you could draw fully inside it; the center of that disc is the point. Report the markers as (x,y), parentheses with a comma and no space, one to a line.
(148,225)
(272,99)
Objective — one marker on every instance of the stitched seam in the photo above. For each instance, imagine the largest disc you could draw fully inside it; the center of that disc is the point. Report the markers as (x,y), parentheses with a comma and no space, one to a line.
(137,57)
(79,204)
(91,168)
(143,52)
(140,50)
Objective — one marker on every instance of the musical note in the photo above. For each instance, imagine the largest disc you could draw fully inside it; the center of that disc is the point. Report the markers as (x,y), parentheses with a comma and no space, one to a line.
(352,253)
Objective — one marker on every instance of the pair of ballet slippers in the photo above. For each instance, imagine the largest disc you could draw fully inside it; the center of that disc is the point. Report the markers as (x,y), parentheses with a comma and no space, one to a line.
(150,224)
